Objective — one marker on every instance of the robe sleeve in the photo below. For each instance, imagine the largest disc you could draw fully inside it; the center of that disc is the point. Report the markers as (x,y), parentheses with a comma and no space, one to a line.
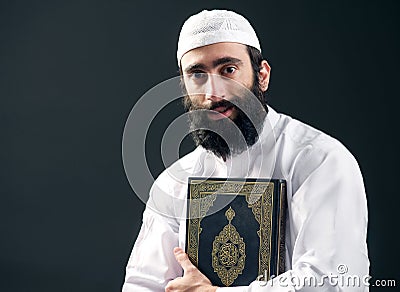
(152,263)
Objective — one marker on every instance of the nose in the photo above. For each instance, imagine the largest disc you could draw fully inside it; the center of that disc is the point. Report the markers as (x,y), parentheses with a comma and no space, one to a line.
(215,88)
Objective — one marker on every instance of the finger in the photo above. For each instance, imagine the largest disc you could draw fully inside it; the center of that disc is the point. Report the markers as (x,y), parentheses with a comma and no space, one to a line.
(183,259)
(173,284)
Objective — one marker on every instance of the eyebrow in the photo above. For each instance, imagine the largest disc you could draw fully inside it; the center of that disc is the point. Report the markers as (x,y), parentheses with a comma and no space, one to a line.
(218,62)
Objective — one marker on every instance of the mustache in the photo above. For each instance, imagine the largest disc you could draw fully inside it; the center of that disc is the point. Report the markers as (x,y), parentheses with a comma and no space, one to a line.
(223,103)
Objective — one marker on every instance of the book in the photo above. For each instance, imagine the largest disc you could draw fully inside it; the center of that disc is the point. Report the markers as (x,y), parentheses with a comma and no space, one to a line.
(235,229)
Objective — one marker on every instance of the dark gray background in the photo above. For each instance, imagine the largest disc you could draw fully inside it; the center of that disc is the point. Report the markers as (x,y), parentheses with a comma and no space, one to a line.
(71,72)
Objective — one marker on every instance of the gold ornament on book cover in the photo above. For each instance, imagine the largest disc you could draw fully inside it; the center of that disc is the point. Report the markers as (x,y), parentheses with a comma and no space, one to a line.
(228,253)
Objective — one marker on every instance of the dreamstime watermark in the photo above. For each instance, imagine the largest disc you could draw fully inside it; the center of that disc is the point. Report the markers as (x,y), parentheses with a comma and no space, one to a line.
(341,279)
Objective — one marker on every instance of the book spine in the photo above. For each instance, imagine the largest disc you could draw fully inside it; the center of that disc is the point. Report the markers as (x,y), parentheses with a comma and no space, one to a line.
(282,228)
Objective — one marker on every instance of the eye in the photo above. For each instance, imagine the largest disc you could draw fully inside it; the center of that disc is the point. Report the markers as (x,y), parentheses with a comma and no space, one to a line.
(198,75)
(229,70)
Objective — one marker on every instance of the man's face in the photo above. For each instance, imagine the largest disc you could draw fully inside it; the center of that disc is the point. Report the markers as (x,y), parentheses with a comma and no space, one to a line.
(205,70)
(218,78)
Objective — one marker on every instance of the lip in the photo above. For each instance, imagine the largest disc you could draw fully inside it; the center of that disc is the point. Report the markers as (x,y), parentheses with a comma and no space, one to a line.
(221,112)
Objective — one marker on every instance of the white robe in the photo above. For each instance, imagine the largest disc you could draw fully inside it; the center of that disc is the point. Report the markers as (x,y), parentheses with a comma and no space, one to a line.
(326,229)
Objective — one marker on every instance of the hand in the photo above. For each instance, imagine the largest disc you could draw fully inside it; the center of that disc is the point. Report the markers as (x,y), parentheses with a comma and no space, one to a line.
(192,281)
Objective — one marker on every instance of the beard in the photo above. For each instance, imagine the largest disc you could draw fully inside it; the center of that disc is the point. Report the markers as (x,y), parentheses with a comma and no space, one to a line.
(225,137)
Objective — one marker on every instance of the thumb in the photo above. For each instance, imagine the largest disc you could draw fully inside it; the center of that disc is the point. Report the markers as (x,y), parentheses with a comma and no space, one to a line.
(183,259)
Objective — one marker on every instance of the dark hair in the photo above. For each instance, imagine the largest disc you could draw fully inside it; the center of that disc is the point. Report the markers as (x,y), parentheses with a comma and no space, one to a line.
(256,58)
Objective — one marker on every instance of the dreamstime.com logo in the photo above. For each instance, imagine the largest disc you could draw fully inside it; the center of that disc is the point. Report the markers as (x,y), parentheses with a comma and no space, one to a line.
(340,279)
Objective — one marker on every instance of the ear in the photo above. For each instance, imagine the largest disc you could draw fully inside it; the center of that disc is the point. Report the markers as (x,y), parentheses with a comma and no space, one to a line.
(264,75)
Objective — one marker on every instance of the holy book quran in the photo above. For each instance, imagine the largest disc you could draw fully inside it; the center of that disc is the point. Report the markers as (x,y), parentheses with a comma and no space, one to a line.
(235,228)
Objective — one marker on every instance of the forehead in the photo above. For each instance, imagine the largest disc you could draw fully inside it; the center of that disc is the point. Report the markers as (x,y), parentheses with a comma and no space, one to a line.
(207,54)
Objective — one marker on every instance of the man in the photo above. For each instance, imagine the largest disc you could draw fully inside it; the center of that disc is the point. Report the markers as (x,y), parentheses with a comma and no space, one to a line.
(327,212)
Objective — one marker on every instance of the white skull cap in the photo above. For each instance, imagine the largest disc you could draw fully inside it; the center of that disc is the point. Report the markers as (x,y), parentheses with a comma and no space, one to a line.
(215,26)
